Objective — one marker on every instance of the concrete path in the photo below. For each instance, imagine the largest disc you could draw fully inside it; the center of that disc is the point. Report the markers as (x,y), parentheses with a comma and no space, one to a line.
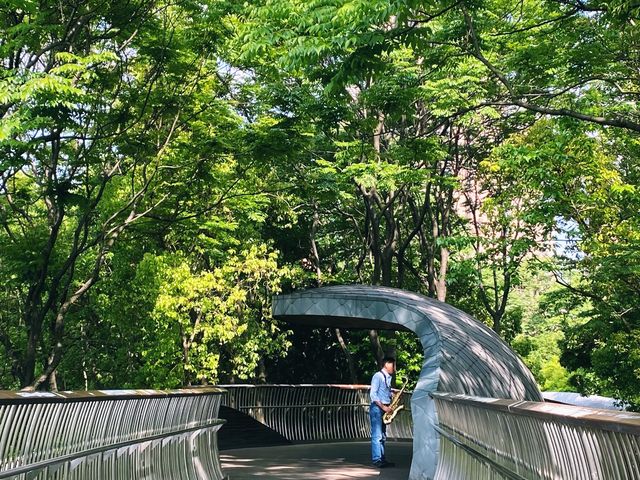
(320,461)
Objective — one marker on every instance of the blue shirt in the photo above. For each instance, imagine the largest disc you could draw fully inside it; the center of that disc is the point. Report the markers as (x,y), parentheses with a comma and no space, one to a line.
(381,387)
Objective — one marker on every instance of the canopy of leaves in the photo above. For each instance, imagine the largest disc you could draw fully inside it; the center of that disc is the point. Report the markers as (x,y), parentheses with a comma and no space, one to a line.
(165,168)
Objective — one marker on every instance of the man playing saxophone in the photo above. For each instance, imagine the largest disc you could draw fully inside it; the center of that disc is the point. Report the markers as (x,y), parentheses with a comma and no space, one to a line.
(380,399)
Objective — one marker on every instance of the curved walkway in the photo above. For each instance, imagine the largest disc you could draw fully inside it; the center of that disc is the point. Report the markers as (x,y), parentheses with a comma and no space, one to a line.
(326,461)
(461,355)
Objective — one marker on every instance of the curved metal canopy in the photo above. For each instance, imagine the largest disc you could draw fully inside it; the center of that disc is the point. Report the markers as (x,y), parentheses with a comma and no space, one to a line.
(461,355)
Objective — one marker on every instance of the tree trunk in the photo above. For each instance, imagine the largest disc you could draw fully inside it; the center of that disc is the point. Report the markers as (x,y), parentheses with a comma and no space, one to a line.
(441,281)
(29,363)
(262,371)
(314,247)
(353,375)
(53,381)
(316,259)
(186,377)
(497,322)
(376,347)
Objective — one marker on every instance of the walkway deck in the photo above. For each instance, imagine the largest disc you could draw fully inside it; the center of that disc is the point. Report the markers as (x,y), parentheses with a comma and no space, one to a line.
(326,461)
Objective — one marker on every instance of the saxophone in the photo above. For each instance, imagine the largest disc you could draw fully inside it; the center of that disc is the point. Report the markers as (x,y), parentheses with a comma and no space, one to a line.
(395,405)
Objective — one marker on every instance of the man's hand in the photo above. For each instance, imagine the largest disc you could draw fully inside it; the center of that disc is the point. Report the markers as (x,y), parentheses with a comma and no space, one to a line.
(383,407)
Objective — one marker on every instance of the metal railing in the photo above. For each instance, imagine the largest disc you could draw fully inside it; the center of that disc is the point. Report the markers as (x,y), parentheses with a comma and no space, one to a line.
(306,413)
(507,439)
(117,434)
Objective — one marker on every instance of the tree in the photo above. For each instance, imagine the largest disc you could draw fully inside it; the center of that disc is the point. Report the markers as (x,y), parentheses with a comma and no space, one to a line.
(588,188)
(157,158)
(505,227)
(561,59)
(394,145)
(94,98)
(215,315)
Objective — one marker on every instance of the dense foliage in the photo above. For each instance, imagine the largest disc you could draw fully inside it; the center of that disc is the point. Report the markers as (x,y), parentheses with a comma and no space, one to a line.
(167,167)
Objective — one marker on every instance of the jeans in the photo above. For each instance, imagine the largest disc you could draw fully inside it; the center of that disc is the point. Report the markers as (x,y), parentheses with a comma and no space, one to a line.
(378,433)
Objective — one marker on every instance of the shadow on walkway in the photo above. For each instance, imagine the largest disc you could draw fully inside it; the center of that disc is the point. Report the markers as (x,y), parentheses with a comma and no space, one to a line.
(243,431)
(326,461)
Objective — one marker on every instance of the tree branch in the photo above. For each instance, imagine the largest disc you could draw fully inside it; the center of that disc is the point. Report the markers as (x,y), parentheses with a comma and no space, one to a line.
(518,101)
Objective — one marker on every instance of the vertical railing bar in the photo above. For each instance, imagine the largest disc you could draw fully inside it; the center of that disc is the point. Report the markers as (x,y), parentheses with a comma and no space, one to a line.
(7,414)
(634,456)
(626,450)
(48,429)
(34,434)
(16,439)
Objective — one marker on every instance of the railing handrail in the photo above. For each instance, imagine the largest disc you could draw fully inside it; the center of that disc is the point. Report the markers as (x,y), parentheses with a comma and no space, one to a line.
(103,432)
(310,405)
(495,466)
(533,440)
(314,412)
(349,386)
(85,453)
(22,397)
(345,386)
(602,419)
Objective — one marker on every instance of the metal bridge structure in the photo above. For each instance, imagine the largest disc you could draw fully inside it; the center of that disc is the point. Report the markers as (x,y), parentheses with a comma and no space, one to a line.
(476,413)
(115,434)
(315,413)
(480,438)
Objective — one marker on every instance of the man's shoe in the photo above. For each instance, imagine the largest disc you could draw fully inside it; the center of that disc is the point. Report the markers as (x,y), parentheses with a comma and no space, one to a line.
(383,464)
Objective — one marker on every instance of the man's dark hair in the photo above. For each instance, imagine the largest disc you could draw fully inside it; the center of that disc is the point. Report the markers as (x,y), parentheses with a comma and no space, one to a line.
(387,359)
